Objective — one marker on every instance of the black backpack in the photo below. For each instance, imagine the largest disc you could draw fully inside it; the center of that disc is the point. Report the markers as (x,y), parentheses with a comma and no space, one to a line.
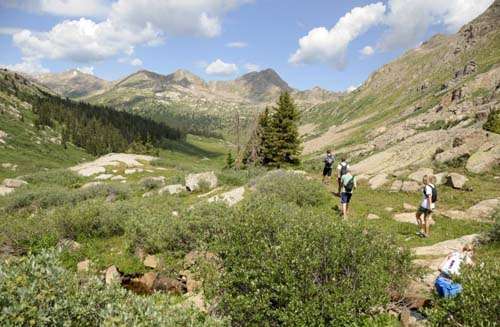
(434,195)
(350,185)
(343,169)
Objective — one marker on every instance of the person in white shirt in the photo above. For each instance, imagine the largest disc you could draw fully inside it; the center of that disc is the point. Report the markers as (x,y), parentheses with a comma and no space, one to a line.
(342,169)
(427,205)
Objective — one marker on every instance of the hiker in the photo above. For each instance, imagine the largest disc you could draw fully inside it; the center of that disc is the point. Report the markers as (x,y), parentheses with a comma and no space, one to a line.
(449,268)
(427,205)
(342,168)
(348,184)
(327,170)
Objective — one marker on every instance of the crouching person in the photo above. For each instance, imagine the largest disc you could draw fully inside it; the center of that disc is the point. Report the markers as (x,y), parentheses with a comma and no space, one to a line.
(445,286)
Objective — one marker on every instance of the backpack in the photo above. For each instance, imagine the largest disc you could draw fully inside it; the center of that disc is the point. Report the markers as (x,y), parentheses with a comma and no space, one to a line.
(350,185)
(329,161)
(343,169)
(434,195)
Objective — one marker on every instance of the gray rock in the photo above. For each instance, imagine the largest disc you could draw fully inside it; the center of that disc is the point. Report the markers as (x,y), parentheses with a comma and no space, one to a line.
(396,186)
(118,178)
(484,209)
(231,197)
(13,183)
(445,247)
(5,190)
(484,159)
(372,216)
(377,181)
(91,184)
(112,275)
(172,189)
(193,181)
(456,180)
(69,245)
(103,177)
(419,174)
(151,261)
(83,266)
(409,207)
(410,186)
(441,178)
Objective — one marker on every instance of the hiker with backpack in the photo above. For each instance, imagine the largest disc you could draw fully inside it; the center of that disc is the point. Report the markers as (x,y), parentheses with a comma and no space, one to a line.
(427,205)
(327,170)
(342,169)
(348,184)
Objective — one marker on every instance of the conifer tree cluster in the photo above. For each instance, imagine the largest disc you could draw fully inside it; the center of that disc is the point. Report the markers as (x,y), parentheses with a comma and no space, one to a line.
(275,139)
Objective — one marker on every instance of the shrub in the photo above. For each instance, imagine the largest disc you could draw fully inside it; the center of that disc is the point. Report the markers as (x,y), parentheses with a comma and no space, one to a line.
(149,184)
(239,177)
(292,187)
(492,124)
(61,177)
(477,305)
(36,290)
(286,265)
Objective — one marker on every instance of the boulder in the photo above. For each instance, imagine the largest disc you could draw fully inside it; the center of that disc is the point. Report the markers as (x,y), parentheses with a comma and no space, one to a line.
(92,170)
(103,177)
(396,186)
(196,301)
(410,186)
(5,190)
(230,198)
(362,177)
(419,174)
(456,180)
(13,183)
(172,189)
(175,213)
(83,266)
(130,171)
(69,245)
(455,214)
(441,178)
(149,194)
(372,216)
(446,247)
(377,181)
(147,281)
(409,207)
(170,285)
(484,209)
(118,178)
(112,275)
(151,261)
(113,159)
(389,209)
(484,159)
(192,284)
(193,181)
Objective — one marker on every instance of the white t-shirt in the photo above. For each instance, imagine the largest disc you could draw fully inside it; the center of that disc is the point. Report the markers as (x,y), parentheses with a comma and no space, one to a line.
(428,192)
(451,265)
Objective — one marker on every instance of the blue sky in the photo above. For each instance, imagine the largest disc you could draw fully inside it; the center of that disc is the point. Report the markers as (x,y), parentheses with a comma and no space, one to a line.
(223,39)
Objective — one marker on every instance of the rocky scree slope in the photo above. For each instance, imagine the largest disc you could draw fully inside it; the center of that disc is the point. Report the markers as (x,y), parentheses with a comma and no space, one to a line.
(428,105)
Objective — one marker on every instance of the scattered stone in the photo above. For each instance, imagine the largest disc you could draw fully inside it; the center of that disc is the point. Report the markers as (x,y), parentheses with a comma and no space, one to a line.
(151,261)
(410,186)
(118,178)
(484,209)
(112,275)
(172,189)
(69,245)
(130,171)
(445,247)
(396,186)
(192,284)
(406,319)
(409,207)
(147,280)
(175,213)
(7,165)
(103,177)
(230,198)
(419,174)
(13,183)
(389,209)
(149,194)
(372,216)
(5,190)
(193,181)
(441,178)
(455,214)
(83,266)
(170,285)
(457,181)
(377,181)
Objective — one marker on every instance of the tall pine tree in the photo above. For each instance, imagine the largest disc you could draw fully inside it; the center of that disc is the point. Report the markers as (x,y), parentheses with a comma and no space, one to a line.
(285,141)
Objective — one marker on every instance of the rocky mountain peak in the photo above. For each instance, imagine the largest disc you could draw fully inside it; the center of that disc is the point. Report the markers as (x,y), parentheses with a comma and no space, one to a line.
(185,78)
(265,78)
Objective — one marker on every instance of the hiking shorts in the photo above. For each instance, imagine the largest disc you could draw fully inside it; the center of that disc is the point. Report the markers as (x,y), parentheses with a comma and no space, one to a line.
(345,197)
(425,211)
(327,171)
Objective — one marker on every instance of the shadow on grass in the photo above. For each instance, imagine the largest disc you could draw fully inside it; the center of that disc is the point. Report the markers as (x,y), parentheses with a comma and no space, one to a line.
(188,148)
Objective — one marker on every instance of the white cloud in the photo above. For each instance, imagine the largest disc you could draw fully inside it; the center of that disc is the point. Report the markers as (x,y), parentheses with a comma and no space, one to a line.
(367,51)
(409,20)
(86,70)
(252,67)
(136,62)
(237,44)
(194,17)
(82,40)
(9,30)
(329,46)
(28,66)
(68,8)
(219,67)
(351,88)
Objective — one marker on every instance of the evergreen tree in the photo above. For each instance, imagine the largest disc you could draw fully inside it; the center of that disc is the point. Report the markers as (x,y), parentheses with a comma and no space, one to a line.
(285,141)
(258,150)
(229,161)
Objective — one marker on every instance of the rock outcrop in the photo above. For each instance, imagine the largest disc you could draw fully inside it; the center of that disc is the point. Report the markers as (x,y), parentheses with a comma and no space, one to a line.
(194,181)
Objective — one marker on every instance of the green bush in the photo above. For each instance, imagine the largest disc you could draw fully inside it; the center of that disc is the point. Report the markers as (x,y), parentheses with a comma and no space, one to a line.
(36,290)
(239,177)
(477,305)
(286,265)
(492,124)
(292,187)
(149,184)
(61,177)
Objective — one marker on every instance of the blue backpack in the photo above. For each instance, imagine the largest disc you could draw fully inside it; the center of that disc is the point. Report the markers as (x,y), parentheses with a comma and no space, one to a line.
(446,288)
